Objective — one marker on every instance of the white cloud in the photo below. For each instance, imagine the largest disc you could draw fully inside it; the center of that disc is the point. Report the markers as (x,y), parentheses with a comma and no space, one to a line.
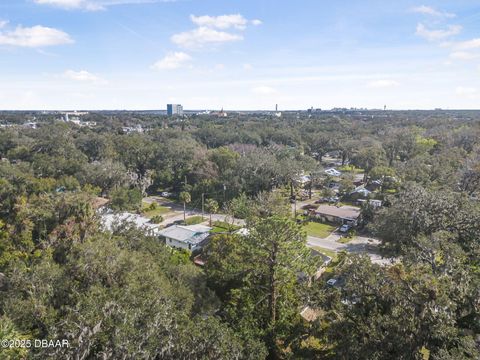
(468,45)
(236,21)
(82,76)
(223,22)
(436,35)
(463,55)
(72,4)
(36,36)
(202,36)
(428,10)
(264,90)
(3,23)
(382,84)
(211,30)
(172,61)
(92,5)
(247,67)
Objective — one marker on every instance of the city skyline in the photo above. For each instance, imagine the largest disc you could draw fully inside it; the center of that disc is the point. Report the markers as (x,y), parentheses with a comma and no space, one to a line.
(142,54)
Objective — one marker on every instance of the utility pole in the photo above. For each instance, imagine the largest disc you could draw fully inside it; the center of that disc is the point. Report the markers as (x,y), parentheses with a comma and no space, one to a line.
(295,207)
(310,187)
(224,193)
(185,184)
(203,205)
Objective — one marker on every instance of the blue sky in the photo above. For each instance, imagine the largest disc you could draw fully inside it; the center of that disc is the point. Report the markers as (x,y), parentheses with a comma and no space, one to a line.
(239,54)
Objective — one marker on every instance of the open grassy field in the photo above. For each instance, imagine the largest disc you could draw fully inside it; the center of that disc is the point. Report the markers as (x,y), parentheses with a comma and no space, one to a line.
(221,226)
(319,230)
(149,211)
(194,220)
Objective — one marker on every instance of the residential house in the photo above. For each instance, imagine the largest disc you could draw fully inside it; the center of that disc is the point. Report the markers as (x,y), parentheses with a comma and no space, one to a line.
(360,193)
(302,180)
(338,214)
(189,237)
(332,172)
(111,220)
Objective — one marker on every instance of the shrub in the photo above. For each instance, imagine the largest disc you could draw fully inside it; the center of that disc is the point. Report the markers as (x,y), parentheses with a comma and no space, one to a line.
(157,219)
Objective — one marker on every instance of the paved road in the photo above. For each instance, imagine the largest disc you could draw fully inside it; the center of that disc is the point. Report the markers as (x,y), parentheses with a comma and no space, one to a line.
(176,213)
(358,245)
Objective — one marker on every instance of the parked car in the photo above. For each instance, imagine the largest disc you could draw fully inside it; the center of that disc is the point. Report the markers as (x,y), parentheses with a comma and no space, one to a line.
(344,228)
(166,194)
(332,282)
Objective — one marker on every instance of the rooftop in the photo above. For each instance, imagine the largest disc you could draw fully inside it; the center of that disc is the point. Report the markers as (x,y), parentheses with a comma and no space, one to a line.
(344,212)
(110,220)
(192,234)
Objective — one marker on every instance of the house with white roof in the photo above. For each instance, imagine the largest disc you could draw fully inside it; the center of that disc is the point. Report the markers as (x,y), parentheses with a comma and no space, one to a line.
(332,172)
(189,237)
(112,220)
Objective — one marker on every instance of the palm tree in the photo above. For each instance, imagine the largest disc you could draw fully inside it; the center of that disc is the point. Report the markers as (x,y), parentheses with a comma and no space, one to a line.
(186,198)
(212,208)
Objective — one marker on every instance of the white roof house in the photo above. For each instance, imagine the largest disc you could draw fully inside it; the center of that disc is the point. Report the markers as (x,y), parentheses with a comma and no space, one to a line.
(362,191)
(185,237)
(332,172)
(302,179)
(111,220)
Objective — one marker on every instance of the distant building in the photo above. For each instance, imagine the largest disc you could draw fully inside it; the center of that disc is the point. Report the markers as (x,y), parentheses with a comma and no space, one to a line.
(277,113)
(174,110)
(221,114)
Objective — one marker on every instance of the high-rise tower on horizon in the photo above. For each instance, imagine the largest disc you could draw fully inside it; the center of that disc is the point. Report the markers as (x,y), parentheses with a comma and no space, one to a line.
(174,109)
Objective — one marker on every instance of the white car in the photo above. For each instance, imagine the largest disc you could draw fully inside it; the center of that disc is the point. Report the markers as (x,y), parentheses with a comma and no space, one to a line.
(344,228)
(166,194)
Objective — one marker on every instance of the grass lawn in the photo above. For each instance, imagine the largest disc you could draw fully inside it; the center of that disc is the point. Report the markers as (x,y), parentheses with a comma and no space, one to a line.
(221,226)
(318,229)
(326,252)
(194,220)
(351,168)
(159,210)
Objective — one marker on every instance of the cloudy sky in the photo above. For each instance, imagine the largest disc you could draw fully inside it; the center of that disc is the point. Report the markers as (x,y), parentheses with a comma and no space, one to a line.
(239,54)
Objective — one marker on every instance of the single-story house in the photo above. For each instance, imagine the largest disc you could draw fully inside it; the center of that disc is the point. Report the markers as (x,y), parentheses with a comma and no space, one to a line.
(360,192)
(338,214)
(302,180)
(185,237)
(332,172)
(111,221)
(373,202)
(374,185)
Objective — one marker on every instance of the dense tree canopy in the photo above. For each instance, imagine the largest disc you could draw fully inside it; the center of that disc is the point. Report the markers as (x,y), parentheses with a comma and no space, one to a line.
(123,294)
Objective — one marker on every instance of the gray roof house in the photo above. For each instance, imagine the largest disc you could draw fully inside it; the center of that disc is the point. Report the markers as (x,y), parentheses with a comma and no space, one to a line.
(341,214)
(185,237)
